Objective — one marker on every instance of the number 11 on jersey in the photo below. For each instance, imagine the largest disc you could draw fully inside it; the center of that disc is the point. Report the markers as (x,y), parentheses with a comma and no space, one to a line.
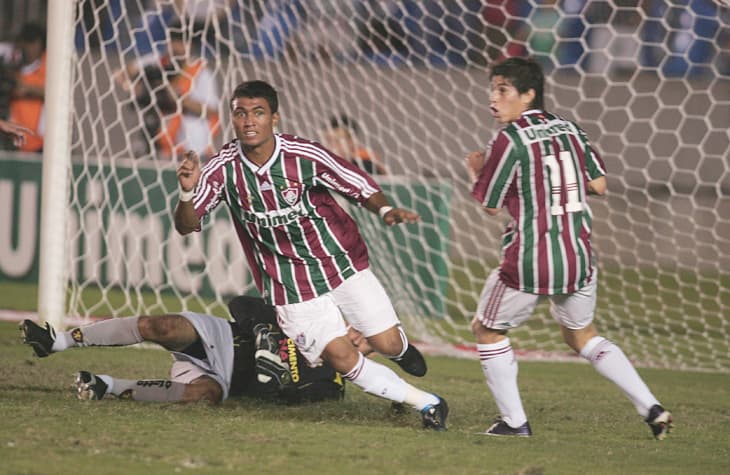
(566,167)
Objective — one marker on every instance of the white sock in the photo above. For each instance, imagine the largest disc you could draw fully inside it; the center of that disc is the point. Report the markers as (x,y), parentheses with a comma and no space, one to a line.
(379,380)
(500,369)
(418,398)
(151,390)
(612,363)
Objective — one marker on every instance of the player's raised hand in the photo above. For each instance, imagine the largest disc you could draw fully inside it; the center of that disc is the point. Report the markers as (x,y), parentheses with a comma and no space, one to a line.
(400,215)
(188,172)
(474,164)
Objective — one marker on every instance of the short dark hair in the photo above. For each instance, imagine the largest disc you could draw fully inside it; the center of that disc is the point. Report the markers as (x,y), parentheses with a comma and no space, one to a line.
(524,74)
(343,120)
(258,88)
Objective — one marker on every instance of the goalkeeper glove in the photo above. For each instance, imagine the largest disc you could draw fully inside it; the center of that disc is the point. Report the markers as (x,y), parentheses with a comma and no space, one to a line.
(269,367)
(268,362)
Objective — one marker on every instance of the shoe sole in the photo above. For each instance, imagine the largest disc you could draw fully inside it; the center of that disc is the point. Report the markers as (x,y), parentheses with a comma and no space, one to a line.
(84,391)
(442,427)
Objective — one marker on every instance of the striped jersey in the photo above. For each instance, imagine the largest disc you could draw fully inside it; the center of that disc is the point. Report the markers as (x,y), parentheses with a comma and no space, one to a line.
(298,241)
(538,168)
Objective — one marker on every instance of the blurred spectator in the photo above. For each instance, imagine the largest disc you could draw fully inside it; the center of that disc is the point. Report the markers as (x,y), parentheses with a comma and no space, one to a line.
(682,39)
(507,29)
(342,138)
(612,38)
(178,95)
(27,96)
(327,32)
(210,18)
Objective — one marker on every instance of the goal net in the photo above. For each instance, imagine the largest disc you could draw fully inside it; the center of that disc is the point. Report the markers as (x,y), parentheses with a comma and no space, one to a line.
(648,81)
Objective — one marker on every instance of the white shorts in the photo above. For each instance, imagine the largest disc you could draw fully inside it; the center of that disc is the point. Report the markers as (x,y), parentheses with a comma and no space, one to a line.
(217,338)
(361,300)
(503,308)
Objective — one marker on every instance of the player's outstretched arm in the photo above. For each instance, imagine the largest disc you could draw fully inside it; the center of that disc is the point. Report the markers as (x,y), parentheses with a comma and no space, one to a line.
(378,203)
(16,132)
(188,174)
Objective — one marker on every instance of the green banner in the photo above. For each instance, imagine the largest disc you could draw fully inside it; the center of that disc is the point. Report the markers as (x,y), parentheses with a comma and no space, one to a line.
(120,233)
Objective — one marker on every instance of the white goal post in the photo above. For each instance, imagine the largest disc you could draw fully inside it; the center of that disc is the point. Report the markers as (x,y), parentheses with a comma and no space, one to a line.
(648,81)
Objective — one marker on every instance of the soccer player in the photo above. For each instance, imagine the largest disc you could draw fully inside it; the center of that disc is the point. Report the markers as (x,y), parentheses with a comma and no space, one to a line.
(540,167)
(306,253)
(213,358)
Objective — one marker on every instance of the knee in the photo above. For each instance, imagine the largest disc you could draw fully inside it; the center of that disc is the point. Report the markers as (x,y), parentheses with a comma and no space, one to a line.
(577,339)
(159,328)
(486,335)
(477,328)
(388,343)
(203,390)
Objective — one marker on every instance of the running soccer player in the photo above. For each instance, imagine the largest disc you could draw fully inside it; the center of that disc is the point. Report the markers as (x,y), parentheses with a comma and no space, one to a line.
(540,167)
(306,253)
(213,358)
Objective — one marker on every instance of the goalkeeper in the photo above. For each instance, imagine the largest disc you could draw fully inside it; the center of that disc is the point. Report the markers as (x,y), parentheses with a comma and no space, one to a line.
(213,358)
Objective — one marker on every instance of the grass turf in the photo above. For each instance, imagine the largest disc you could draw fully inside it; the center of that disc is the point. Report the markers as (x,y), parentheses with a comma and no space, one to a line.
(582,424)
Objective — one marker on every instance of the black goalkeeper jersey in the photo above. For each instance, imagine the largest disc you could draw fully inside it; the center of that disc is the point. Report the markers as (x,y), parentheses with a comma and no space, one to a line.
(305,383)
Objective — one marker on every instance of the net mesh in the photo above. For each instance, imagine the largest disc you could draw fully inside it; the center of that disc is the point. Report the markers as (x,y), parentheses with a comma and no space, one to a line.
(649,81)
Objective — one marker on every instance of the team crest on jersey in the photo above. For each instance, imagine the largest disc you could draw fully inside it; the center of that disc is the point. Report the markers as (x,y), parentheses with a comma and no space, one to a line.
(290,195)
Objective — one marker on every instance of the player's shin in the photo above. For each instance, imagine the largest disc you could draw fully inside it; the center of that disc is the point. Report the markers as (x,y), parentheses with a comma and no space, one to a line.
(611,362)
(112,332)
(150,390)
(500,370)
(381,381)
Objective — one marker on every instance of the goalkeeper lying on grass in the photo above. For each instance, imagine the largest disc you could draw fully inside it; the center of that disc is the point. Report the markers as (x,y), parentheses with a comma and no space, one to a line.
(213,358)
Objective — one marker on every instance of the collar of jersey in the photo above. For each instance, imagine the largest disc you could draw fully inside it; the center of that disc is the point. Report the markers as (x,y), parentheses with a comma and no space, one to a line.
(531,111)
(265,167)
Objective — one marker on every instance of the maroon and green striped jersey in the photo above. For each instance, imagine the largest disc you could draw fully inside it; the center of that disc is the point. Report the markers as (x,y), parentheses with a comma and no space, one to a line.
(538,168)
(298,240)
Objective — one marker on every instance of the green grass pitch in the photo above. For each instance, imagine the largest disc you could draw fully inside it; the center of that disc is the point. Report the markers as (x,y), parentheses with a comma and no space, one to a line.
(582,424)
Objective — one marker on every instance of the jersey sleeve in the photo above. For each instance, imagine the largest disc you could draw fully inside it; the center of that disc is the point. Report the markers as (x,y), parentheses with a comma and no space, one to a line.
(209,190)
(345,178)
(595,168)
(498,172)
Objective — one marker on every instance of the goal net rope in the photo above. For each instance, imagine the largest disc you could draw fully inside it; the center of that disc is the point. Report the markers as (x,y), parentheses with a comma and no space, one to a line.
(648,81)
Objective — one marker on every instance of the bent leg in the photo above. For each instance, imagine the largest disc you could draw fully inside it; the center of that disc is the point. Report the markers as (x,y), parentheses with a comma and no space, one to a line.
(611,362)
(374,378)
(575,314)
